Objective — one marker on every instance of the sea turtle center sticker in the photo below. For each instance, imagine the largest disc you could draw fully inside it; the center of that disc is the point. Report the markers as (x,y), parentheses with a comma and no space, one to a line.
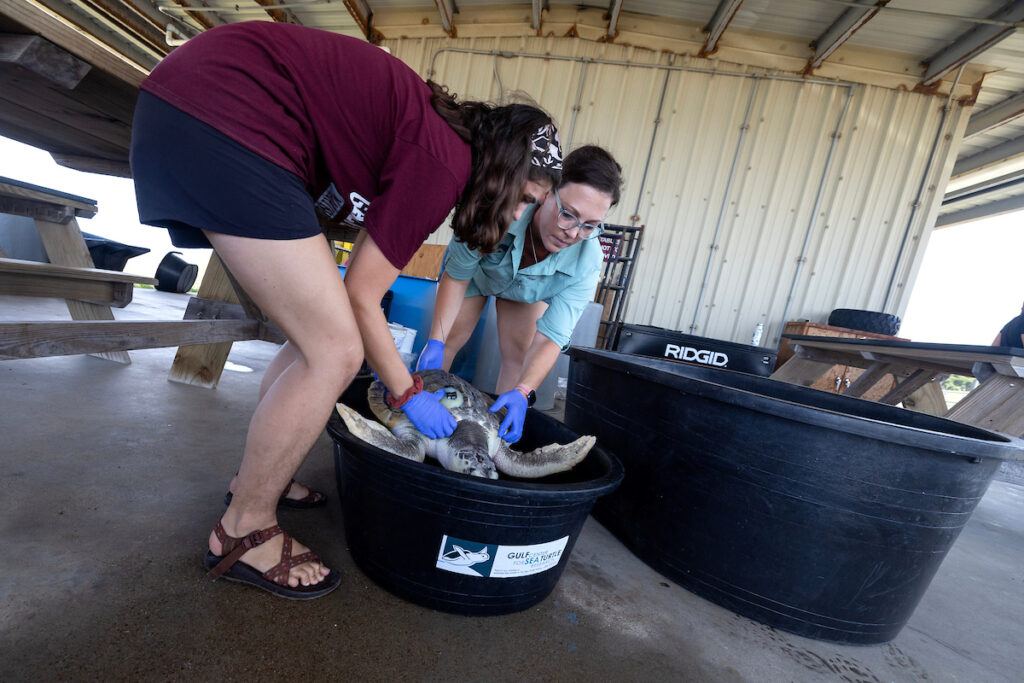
(498,561)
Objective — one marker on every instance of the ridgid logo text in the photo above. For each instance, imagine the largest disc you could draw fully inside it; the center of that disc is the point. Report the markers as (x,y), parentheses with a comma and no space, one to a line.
(716,358)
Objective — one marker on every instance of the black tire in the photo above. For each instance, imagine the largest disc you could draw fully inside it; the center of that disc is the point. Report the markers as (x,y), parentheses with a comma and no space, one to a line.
(866,321)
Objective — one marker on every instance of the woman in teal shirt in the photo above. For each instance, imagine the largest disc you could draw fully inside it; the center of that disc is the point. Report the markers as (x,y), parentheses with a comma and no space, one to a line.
(542,275)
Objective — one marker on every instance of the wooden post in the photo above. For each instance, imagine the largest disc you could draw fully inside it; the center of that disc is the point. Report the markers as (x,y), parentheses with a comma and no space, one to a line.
(915,381)
(802,371)
(869,378)
(65,246)
(993,405)
(202,365)
(928,399)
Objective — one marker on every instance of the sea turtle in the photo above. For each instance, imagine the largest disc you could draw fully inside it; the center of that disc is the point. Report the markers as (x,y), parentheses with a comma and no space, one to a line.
(474,448)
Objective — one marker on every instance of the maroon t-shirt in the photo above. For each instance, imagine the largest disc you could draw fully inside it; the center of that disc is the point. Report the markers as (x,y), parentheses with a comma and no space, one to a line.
(353,122)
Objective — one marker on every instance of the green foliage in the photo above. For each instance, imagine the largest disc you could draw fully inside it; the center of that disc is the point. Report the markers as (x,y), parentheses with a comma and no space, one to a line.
(959,383)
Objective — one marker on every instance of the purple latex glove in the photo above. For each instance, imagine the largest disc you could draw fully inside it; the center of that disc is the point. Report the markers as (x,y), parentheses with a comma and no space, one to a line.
(432,356)
(428,415)
(515,406)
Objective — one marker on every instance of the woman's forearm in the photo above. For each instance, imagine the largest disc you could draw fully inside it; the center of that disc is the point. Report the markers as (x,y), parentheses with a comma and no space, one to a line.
(379,347)
(540,358)
(367,279)
(450,293)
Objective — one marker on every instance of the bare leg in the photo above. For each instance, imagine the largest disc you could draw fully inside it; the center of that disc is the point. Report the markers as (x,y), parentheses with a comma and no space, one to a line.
(285,356)
(296,284)
(462,328)
(517,326)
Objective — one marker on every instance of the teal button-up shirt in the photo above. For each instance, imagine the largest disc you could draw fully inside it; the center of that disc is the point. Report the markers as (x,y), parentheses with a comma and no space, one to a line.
(565,280)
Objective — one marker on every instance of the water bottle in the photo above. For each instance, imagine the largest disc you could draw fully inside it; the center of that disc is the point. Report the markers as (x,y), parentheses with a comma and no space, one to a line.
(755,339)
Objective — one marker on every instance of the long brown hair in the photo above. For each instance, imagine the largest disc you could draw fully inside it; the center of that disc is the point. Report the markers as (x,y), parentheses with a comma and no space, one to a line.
(500,137)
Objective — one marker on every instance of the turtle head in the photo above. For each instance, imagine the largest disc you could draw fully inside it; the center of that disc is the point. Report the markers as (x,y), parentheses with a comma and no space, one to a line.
(485,468)
(471,461)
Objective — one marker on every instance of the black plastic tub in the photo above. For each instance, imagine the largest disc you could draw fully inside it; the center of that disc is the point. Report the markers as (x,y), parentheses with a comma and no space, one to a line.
(422,532)
(819,514)
(658,342)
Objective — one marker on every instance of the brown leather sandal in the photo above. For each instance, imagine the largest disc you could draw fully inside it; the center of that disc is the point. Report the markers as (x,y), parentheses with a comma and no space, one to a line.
(275,579)
(313,499)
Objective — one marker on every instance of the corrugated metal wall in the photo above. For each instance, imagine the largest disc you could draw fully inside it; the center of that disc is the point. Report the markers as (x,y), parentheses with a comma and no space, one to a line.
(763,197)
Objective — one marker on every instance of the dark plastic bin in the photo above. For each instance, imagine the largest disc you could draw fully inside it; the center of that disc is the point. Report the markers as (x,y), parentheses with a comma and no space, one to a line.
(421,532)
(815,513)
(110,255)
(658,342)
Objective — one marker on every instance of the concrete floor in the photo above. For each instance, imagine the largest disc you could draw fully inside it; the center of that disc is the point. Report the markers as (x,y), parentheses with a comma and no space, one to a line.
(111,478)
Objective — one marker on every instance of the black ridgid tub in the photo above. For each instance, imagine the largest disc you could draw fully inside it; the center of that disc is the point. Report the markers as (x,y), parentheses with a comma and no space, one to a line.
(457,543)
(819,514)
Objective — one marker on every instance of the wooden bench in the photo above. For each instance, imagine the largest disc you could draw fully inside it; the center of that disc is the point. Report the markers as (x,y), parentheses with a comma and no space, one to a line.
(997,403)
(103,287)
(90,292)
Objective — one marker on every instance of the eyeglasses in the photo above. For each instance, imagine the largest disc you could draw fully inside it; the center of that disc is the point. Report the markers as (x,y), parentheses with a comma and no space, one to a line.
(567,220)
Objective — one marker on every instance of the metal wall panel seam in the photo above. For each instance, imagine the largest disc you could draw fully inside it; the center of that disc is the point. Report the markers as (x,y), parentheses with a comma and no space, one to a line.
(744,126)
(726,104)
(921,188)
(576,105)
(801,258)
(926,224)
(634,218)
(788,150)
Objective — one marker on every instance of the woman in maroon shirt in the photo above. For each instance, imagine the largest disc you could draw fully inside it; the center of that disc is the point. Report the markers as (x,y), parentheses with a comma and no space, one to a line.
(243,139)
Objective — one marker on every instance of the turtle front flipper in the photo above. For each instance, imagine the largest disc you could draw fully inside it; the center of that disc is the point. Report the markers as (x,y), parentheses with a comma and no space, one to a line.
(412,445)
(542,461)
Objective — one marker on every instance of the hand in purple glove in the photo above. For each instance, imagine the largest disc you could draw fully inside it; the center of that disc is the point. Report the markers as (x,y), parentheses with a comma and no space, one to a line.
(428,415)
(515,414)
(432,356)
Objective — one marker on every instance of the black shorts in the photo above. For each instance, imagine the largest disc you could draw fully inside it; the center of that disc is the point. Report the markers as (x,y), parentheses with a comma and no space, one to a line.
(190,177)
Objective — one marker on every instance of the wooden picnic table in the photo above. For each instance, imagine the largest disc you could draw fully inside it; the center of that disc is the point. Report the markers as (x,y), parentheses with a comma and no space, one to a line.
(220,315)
(997,403)
(89,292)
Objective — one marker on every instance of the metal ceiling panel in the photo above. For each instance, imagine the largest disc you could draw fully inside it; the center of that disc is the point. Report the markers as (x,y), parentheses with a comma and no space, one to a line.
(1003,197)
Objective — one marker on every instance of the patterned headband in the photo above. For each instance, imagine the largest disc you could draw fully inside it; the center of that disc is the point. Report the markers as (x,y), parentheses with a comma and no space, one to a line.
(545,148)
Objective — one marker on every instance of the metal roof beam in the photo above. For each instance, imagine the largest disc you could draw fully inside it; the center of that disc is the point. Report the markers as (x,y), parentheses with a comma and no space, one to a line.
(146,27)
(363,16)
(996,115)
(972,43)
(841,30)
(614,7)
(283,15)
(1006,150)
(985,210)
(447,10)
(984,187)
(723,15)
(204,19)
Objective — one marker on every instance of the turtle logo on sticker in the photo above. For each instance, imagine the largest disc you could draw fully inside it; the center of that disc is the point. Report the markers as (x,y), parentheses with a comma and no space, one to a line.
(465,557)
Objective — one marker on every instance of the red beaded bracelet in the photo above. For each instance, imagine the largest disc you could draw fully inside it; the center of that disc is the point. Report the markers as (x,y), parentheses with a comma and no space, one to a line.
(396,402)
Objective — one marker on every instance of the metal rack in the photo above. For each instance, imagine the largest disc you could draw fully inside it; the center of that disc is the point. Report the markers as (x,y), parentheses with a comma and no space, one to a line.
(621,246)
